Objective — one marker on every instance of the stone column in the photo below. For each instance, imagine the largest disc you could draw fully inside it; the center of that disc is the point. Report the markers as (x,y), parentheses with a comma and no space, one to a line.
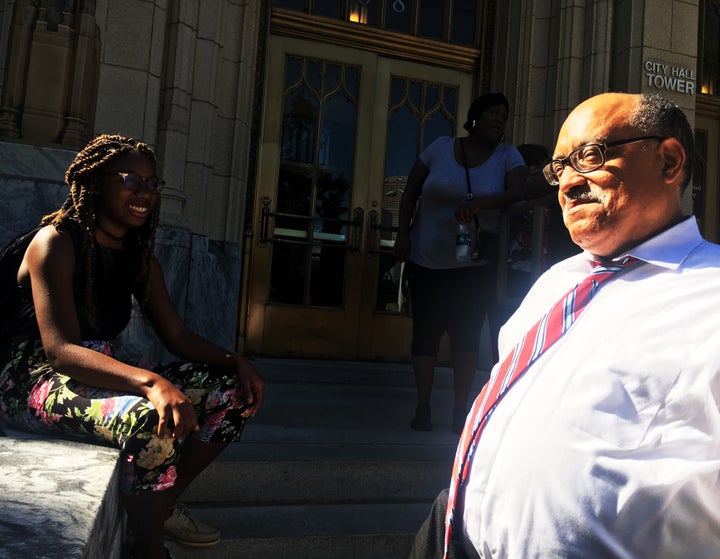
(176,92)
(18,55)
(79,116)
(48,76)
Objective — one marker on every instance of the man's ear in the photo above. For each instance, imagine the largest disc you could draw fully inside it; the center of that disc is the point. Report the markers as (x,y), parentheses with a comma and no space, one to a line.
(674,157)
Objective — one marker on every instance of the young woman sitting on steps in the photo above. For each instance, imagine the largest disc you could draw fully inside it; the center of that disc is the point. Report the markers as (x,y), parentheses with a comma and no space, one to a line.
(60,375)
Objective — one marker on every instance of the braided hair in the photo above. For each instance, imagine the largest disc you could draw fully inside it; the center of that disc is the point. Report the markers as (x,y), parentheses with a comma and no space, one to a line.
(79,206)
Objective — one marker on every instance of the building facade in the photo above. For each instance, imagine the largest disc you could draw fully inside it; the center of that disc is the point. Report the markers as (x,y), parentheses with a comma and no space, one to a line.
(285,129)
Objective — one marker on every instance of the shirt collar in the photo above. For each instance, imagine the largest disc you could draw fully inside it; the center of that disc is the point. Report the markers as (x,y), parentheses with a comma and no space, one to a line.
(668,248)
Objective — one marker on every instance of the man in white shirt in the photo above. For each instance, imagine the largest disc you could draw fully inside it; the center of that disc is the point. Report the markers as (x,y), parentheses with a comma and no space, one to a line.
(608,446)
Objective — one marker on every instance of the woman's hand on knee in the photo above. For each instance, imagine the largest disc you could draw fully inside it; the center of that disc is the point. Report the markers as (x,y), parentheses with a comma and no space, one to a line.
(250,383)
(176,413)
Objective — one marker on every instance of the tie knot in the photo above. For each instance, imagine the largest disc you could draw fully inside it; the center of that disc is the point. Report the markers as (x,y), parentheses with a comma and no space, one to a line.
(613,265)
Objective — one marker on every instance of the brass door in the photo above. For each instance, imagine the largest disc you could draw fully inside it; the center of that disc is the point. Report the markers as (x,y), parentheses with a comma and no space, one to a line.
(706,176)
(341,129)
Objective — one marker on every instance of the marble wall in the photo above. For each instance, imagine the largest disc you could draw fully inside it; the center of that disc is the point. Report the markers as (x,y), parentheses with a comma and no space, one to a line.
(31,185)
(203,279)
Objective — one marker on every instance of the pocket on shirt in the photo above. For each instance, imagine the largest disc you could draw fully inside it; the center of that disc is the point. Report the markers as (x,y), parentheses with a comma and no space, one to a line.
(615,397)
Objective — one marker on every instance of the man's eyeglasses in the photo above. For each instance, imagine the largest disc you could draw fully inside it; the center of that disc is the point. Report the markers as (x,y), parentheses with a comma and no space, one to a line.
(586,158)
(132,181)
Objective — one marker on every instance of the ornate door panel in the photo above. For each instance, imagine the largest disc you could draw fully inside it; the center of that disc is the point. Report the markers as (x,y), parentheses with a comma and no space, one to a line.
(341,129)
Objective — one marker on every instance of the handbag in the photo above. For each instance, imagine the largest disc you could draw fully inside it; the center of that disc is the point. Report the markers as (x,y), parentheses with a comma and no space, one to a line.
(485,243)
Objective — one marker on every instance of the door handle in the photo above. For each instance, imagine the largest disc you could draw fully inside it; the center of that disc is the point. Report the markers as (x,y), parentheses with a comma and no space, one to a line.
(355,230)
(263,238)
(354,227)
(374,235)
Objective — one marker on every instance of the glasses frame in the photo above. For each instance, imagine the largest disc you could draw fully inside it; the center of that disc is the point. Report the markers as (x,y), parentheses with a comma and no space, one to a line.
(125,174)
(553,178)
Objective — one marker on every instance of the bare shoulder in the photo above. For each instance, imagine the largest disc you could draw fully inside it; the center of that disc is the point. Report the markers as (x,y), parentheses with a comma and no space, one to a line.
(50,247)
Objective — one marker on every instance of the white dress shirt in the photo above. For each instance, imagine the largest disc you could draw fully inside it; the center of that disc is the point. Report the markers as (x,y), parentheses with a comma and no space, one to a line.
(609,445)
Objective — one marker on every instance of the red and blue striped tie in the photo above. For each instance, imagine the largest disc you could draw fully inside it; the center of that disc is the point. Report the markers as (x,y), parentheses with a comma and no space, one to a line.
(539,338)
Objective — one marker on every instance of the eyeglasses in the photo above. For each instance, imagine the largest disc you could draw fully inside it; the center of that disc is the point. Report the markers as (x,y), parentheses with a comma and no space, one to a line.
(132,181)
(586,158)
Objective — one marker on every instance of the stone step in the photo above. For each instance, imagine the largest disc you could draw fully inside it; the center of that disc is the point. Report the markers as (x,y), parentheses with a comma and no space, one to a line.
(357,531)
(266,483)
(329,468)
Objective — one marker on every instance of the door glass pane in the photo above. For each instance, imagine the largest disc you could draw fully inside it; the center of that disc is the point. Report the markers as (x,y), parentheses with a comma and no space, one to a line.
(352,81)
(420,112)
(297,151)
(294,196)
(449,100)
(287,278)
(397,92)
(332,78)
(314,188)
(451,21)
(329,8)
(327,279)
(430,19)
(300,117)
(397,16)
(314,75)
(293,71)
(363,11)
(403,134)
(463,22)
(432,97)
(415,92)
(436,125)
(335,168)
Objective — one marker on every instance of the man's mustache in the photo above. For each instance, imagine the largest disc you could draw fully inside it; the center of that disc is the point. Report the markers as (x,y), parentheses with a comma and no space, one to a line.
(580,194)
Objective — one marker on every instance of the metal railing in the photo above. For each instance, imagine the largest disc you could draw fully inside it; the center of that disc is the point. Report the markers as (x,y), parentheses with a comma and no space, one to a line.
(309,237)
(379,237)
(539,226)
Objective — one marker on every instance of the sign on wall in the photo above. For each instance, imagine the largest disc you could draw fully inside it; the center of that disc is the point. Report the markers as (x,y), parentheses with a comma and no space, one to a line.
(668,77)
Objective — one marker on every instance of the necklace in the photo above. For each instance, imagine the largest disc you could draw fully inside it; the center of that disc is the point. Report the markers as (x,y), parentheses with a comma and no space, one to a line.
(113,237)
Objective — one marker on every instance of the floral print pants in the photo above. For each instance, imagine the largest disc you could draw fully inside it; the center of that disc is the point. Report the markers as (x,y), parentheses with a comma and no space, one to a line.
(34,397)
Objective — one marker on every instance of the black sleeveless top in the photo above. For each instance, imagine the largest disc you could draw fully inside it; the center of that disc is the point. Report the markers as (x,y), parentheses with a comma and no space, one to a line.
(114,273)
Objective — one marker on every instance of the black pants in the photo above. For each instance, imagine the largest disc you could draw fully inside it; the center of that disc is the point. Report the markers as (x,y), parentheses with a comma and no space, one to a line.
(455,301)
(430,540)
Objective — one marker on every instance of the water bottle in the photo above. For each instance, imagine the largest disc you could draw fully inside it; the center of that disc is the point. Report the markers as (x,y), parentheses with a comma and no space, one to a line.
(463,243)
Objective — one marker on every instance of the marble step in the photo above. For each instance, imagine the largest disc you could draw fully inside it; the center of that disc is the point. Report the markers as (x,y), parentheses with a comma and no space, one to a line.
(359,531)
(329,468)
(267,483)
(59,499)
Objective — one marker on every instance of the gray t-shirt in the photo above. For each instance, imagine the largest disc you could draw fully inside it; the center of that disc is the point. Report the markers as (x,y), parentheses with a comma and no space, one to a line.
(445,189)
